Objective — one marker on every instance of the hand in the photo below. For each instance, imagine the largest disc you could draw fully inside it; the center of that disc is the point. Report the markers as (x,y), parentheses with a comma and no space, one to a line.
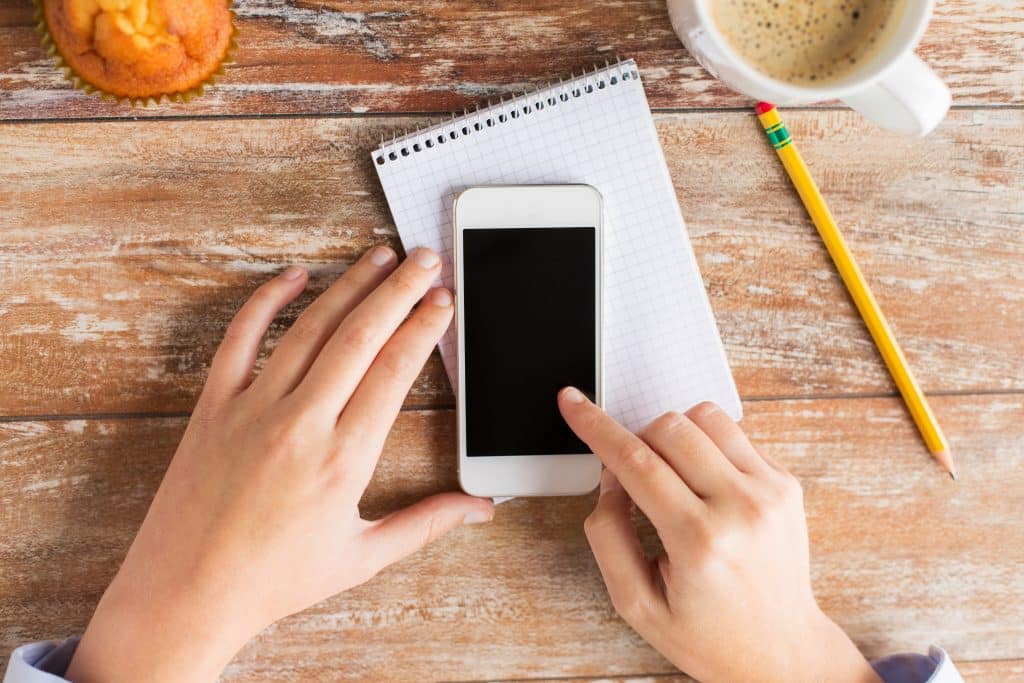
(730,599)
(257,516)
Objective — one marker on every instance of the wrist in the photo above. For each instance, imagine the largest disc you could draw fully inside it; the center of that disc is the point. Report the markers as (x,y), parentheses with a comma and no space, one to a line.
(827,655)
(160,634)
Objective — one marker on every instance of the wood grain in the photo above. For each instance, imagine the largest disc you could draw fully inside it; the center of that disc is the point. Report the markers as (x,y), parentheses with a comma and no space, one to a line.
(996,671)
(902,556)
(654,678)
(127,247)
(331,56)
(999,671)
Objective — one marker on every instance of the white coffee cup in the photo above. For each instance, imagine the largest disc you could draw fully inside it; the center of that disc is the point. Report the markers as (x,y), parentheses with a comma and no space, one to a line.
(893,87)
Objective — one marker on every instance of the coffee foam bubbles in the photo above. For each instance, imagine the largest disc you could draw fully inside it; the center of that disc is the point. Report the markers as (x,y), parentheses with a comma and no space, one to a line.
(806,42)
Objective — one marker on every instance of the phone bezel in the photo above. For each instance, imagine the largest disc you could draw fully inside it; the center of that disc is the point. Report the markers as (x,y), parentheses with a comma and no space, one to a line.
(512,207)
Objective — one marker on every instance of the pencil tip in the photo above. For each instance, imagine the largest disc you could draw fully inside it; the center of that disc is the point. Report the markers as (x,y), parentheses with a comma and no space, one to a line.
(944,459)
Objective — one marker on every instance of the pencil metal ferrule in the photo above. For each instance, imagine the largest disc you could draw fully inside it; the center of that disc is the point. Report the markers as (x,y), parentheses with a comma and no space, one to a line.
(778,135)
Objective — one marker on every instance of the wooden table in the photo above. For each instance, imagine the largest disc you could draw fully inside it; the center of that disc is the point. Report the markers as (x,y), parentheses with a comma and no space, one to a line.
(129,237)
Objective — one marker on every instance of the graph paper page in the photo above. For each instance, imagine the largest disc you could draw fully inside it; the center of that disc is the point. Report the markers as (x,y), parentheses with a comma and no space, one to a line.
(661,346)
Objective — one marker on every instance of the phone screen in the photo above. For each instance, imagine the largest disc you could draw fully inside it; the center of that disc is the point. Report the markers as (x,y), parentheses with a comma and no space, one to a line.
(530,328)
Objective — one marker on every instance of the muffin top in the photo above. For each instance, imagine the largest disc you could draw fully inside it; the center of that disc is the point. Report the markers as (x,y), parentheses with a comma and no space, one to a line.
(141,48)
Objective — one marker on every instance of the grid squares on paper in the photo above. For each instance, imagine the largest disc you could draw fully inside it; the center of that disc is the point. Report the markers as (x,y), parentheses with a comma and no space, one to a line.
(662,349)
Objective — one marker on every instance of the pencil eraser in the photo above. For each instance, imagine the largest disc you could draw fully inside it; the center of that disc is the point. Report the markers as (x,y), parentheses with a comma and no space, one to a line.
(762,107)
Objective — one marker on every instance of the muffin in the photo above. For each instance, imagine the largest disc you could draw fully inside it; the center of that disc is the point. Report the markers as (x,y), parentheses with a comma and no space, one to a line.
(139,50)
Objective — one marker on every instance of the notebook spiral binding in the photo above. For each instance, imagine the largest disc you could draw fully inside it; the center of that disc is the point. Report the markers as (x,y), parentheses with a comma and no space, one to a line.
(496,114)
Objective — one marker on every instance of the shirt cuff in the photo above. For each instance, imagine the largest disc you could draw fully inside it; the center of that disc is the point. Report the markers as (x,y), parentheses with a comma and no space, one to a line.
(935,667)
(44,662)
(47,661)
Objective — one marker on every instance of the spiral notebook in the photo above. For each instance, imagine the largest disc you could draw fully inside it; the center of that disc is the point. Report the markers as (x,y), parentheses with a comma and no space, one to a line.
(662,348)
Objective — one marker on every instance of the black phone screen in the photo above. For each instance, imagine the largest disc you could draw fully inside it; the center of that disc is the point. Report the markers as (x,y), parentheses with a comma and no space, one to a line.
(530,328)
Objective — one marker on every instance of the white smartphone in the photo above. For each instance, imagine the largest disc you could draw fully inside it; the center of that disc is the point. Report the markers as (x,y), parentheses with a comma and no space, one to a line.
(528,319)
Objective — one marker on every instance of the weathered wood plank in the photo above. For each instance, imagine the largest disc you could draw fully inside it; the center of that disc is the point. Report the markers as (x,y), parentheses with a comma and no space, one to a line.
(999,671)
(654,678)
(993,671)
(299,56)
(126,248)
(903,557)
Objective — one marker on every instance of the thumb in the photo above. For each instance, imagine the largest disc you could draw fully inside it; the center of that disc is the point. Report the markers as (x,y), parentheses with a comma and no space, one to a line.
(402,533)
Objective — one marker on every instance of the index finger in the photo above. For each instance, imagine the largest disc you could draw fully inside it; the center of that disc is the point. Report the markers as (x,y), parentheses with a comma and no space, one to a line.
(650,481)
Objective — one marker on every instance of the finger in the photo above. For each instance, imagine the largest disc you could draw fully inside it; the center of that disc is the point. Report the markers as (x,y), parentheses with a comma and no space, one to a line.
(627,573)
(347,355)
(300,345)
(402,533)
(231,369)
(652,484)
(692,454)
(372,409)
(727,436)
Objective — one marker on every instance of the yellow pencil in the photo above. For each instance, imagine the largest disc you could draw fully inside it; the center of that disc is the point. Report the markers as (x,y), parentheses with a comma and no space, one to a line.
(854,280)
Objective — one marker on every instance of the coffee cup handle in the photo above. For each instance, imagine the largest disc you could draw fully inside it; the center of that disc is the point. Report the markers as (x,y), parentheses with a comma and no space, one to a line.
(910,98)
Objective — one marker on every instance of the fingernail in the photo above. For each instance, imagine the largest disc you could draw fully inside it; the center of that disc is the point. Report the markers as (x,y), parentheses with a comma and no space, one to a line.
(573,395)
(381,256)
(441,298)
(478,517)
(293,273)
(426,258)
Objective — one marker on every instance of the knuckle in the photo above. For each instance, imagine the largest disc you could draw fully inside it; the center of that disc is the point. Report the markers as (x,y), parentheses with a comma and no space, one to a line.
(288,439)
(635,455)
(355,277)
(283,443)
(422,323)
(204,415)
(703,543)
(632,606)
(594,524)
(713,557)
(306,328)
(754,508)
(335,476)
(431,530)
(665,422)
(405,284)
(783,487)
(430,525)
(396,365)
(672,427)
(792,489)
(589,420)
(358,335)
(349,440)
(585,420)
(702,410)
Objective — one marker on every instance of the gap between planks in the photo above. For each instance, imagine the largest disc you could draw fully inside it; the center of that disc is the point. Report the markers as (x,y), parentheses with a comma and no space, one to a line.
(617,678)
(426,407)
(431,114)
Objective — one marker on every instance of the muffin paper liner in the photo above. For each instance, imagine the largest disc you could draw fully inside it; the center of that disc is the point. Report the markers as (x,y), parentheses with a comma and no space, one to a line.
(182,96)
